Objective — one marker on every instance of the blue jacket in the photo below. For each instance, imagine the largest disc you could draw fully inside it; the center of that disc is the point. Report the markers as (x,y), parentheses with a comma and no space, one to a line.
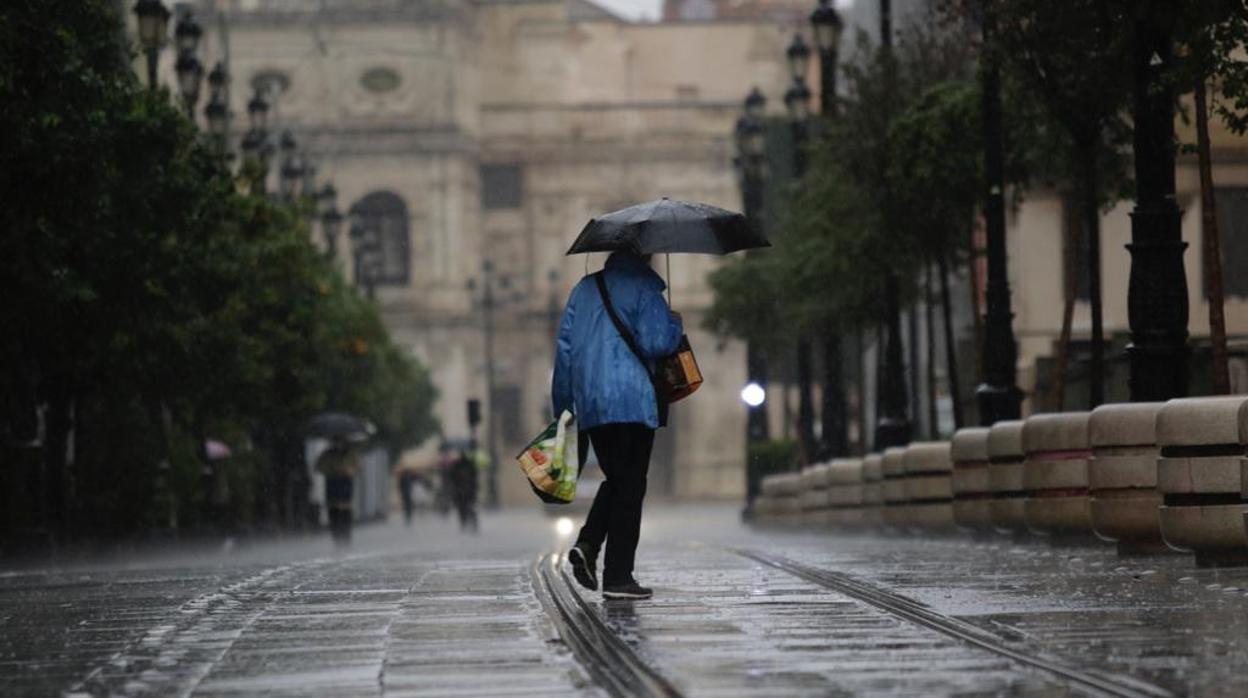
(597,376)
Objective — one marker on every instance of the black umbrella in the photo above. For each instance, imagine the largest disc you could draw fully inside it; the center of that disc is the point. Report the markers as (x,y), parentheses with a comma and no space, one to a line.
(665,226)
(331,425)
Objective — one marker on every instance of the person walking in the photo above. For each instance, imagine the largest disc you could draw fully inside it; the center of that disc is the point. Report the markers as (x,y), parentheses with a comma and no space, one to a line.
(603,382)
(338,464)
(463,477)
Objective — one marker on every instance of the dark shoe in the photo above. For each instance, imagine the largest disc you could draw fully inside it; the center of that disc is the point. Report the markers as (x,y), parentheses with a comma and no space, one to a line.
(626,590)
(584,566)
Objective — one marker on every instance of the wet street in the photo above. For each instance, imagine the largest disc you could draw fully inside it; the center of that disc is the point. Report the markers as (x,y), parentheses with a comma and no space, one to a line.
(426,611)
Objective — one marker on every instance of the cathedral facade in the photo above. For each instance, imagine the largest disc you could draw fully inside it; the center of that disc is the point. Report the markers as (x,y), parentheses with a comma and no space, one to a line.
(477,137)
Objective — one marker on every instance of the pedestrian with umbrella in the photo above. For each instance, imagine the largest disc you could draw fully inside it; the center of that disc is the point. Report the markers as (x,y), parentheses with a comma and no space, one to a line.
(615,363)
(339,464)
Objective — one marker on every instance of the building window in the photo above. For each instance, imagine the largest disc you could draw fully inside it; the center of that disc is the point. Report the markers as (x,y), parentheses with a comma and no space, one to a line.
(1233,233)
(502,186)
(270,83)
(380,80)
(1074,248)
(385,213)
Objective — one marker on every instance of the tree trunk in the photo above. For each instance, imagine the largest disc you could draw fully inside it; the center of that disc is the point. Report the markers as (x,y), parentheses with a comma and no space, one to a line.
(933,423)
(977,316)
(1090,184)
(1070,290)
(805,401)
(833,414)
(1212,250)
(912,329)
(951,354)
(860,362)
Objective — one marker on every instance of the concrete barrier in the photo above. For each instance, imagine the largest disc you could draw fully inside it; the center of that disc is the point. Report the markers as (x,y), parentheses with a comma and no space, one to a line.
(814,494)
(894,470)
(928,486)
(779,500)
(1005,476)
(873,489)
(846,492)
(1200,477)
(1122,476)
(1055,474)
(971,491)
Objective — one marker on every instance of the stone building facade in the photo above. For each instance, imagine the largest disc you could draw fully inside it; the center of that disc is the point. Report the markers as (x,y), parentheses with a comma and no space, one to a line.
(483,134)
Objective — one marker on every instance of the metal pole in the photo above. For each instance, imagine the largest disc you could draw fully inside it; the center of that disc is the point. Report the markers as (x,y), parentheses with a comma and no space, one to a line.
(999,396)
(1157,292)
(491,495)
(153,57)
(893,428)
(834,415)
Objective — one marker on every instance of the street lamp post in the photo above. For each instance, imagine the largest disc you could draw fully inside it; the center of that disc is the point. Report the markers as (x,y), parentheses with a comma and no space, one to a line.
(292,169)
(331,219)
(826,26)
(797,101)
(153,18)
(256,147)
(893,427)
(366,252)
(1157,291)
(217,111)
(999,396)
(489,303)
(189,70)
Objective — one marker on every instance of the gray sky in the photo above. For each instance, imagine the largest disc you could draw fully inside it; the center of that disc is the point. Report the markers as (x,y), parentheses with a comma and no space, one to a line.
(634,8)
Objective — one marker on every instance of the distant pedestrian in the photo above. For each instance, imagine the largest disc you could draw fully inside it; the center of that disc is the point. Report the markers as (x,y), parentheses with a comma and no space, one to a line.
(407,481)
(463,477)
(605,385)
(338,464)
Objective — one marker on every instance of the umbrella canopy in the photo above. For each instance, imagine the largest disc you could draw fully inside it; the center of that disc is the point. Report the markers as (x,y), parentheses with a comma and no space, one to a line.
(665,226)
(331,425)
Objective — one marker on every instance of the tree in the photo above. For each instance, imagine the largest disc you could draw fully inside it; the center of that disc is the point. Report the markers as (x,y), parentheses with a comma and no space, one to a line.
(1073,57)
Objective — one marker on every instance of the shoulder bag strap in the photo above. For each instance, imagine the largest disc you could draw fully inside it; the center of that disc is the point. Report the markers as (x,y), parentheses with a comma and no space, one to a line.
(619,324)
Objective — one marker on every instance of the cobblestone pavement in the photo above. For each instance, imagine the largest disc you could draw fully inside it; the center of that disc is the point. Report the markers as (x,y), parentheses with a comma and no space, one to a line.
(427,611)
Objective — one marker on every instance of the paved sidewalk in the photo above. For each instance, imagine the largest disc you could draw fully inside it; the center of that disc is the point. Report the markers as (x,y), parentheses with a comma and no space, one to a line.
(428,611)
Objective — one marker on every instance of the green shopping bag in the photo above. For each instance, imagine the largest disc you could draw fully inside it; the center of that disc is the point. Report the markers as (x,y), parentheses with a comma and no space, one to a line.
(550,461)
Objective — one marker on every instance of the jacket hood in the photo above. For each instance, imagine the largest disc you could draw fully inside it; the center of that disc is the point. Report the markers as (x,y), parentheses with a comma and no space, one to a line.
(629,263)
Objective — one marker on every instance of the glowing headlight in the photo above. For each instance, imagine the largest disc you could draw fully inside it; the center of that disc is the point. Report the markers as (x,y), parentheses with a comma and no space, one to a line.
(753,394)
(563,527)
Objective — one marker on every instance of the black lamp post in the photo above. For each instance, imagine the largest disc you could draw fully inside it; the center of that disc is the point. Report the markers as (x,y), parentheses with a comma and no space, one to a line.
(750,138)
(797,102)
(153,19)
(826,26)
(189,70)
(494,294)
(893,427)
(999,397)
(366,251)
(256,148)
(291,173)
(331,218)
(217,111)
(1157,291)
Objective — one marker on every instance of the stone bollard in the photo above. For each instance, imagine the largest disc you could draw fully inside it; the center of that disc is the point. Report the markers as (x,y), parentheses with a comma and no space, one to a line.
(928,486)
(971,491)
(1055,474)
(873,490)
(1122,476)
(767,503)
(1005,476)
(1200,477)
(894,470)
(814,494)
(780,498)
(845,493)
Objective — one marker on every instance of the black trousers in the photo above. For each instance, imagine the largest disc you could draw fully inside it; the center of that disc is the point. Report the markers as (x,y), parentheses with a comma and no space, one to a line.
(615,516)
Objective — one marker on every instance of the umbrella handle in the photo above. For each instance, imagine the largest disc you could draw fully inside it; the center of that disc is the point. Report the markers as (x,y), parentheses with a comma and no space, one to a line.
(668,258)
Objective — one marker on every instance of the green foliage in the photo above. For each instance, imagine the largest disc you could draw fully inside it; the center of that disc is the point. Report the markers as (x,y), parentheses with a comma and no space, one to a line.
(775,456)
(149,304)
